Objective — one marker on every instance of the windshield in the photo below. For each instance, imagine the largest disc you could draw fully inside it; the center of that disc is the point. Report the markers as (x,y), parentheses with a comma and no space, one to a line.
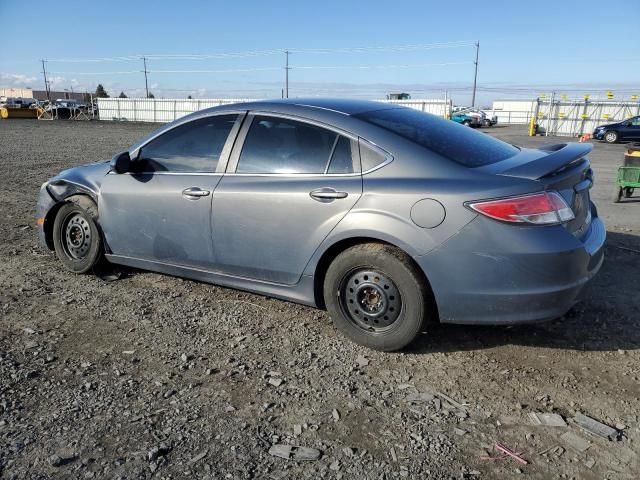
(461,144)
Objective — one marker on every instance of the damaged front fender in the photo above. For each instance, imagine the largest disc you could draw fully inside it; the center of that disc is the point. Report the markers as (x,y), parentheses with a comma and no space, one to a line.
(84,180)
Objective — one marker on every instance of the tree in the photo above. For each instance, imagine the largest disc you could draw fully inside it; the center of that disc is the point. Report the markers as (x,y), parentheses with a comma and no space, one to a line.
(101,92)
(151,95)
(122,95)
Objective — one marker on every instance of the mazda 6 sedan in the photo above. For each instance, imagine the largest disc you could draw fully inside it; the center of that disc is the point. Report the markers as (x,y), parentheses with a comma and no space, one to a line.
(388,217)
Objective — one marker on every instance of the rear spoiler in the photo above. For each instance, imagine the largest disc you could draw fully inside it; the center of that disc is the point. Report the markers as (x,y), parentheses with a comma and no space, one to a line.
(558,156)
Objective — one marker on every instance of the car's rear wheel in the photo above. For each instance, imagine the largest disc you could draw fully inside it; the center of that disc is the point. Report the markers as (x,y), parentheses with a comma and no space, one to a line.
(376,296)
(628,192)
(76,237)
(611,137)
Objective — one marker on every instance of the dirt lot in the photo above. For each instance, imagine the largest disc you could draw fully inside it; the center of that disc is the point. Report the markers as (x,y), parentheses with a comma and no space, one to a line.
(153,376)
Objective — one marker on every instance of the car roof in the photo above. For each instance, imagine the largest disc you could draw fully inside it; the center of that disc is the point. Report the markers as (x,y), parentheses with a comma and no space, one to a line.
(338,105)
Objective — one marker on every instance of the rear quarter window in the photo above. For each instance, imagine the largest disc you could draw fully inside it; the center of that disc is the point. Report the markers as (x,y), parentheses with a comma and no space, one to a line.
(458,143)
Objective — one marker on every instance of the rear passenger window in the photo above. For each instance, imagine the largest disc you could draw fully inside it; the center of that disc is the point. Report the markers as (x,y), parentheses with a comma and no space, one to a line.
(370,158)
(278,145)
(344,158)
(193,147)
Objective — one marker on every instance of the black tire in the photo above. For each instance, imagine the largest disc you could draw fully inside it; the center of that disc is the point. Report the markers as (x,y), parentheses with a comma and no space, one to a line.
(76,236)
(617,196)
(376,271)
(611,136)
(628,192)
(466,123)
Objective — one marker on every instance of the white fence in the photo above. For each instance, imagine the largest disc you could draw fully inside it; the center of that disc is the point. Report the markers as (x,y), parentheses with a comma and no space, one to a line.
(166,110)
(568,118)
(511,117)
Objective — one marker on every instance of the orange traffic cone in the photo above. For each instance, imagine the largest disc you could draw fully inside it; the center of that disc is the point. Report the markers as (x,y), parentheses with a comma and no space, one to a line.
(584,138)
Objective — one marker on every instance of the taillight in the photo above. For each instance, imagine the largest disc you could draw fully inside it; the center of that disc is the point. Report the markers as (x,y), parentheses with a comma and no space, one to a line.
(544,208)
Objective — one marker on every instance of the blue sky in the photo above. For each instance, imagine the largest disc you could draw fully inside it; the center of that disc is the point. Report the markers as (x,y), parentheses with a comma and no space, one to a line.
(525,47)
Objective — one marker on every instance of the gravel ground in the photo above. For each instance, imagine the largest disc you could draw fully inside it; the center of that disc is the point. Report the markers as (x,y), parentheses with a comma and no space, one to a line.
(154,376)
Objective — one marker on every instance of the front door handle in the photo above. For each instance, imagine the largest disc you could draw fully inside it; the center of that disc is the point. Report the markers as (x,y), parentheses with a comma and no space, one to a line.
(327,194)
(193,193)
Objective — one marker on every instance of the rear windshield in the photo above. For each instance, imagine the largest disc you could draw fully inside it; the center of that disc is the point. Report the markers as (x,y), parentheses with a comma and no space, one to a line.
(456,142)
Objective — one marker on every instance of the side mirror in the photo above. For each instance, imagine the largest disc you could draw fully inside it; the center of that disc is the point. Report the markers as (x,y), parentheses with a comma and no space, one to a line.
(121,162)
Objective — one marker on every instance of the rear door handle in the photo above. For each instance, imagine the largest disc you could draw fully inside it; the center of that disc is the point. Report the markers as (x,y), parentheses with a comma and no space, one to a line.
(327,194)
(193,193)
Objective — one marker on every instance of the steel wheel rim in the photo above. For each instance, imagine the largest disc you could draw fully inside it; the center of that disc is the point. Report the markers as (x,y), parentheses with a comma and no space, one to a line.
(610,137)
(370,300)
(76,236)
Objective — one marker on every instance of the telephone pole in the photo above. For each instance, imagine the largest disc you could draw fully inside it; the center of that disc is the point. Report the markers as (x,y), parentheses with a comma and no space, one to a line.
(146,83)
(475,75)
(46,83)
(286,74)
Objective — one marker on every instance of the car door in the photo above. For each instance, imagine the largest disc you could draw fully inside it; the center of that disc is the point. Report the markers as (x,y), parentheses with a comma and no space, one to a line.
(161,209)
(288,183)
(632,130)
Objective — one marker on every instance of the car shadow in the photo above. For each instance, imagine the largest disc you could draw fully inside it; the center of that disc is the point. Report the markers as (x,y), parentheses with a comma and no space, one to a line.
(607,319)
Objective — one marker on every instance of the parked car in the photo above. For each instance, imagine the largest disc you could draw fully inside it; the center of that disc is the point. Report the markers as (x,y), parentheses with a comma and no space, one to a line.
(489,119)
(614,132)
(65,108)
(388,217)
(17,102)
(466,119)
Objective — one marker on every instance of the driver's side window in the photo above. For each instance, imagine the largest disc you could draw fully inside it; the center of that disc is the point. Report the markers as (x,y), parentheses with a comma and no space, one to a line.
(635,121)
(194,147)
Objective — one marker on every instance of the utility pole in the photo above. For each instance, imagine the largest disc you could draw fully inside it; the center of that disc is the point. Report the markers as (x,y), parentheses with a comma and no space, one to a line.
(46,83)
(475,75)
(146,83)
(286,74)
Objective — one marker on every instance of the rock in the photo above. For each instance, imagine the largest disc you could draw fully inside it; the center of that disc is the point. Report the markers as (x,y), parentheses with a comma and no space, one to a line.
(594,427)
(349,452)
(55,460)
(157,452)
(297,429)
(294,452)
(575,441)
(362,361)
(336,415)
(198,457)
(276,382)
(547,419)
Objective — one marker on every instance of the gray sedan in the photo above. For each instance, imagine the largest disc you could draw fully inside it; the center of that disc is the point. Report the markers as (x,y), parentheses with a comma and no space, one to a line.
(387,217)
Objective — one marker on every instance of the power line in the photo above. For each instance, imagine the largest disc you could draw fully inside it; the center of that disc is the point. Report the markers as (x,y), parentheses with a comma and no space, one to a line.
(255,53)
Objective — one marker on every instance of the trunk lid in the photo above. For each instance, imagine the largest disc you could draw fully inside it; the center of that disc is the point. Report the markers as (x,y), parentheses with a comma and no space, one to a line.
(561,167)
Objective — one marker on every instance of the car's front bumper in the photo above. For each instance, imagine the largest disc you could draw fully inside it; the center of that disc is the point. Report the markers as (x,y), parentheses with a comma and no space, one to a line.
(43,206)
(493,273)
(598,134)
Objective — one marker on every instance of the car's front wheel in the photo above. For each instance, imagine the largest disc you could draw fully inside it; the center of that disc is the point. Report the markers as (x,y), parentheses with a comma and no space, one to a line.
(76,237)
(611,137)
(376,296)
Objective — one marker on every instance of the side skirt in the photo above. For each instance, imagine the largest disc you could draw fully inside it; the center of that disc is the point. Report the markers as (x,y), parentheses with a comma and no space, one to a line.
(302,292)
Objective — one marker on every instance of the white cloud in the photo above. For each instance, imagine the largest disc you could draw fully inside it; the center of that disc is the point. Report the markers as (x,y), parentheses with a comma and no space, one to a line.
(16,80)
